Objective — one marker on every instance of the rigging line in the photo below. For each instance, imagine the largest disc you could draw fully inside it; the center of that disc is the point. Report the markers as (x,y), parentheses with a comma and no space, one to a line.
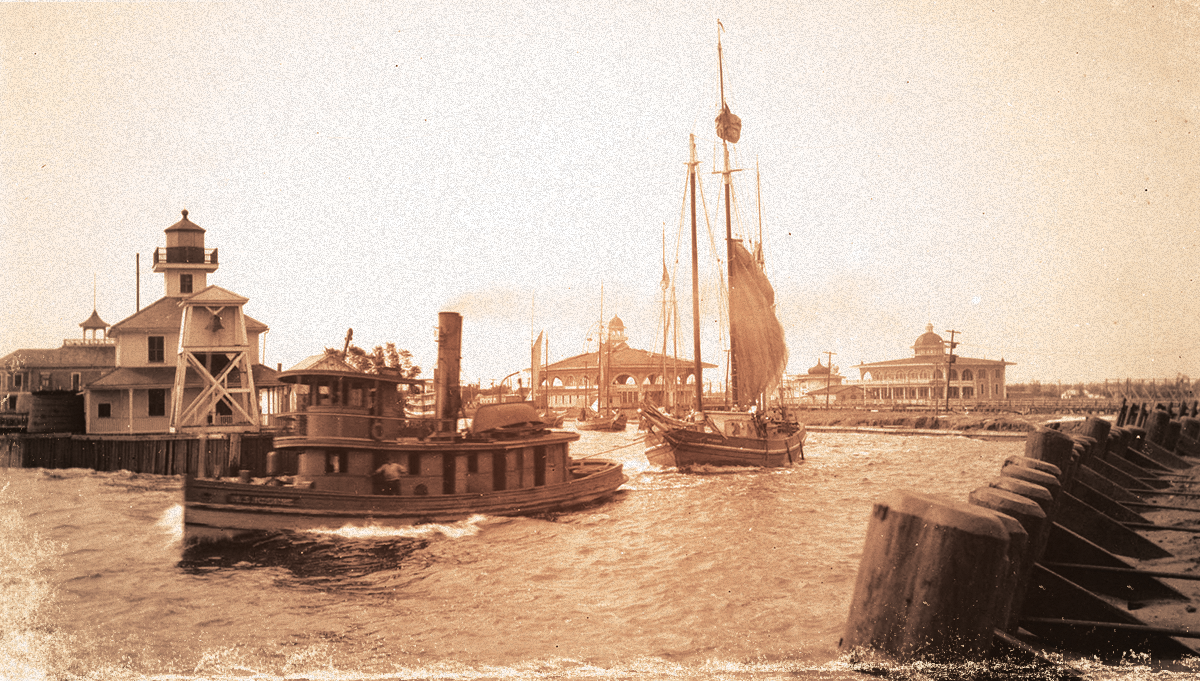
(722,291)
(639,440)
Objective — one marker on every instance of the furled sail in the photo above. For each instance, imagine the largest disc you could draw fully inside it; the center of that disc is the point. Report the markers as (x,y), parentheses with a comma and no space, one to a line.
(729,126)
(758,341)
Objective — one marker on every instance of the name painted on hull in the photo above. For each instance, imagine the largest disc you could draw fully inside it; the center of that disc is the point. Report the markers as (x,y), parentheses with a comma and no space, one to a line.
(261,501)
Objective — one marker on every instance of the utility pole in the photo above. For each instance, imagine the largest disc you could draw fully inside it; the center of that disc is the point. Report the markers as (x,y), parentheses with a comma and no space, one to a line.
(828,375)
(949,365)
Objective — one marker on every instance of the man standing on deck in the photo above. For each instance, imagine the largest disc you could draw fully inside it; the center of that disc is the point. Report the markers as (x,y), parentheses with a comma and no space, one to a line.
(391,472)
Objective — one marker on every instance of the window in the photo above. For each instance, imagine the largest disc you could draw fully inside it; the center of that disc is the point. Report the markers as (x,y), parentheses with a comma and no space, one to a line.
(104,410)
(156,402)
(18,381)
(185,283)
(157,347)
(76,380)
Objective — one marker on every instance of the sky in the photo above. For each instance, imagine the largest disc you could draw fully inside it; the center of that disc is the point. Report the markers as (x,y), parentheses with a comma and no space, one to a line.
(1023,173)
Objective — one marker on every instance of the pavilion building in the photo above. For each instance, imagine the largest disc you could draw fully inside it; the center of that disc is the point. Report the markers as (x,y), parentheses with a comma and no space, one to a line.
(632,376)
(923,377)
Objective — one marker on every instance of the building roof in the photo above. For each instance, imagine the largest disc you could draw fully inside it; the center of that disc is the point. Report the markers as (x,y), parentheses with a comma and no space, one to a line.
(836,390)
(932,360)
(184,225)
(929,339)
(165,314)
(820,369)
(147,377)
(623,358)
(68,356)
(322,362)
(215,295)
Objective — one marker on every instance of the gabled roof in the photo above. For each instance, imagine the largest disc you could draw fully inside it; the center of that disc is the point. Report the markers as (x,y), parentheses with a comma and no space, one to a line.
(215,295)
(82,356)
(322,362)
(164,314)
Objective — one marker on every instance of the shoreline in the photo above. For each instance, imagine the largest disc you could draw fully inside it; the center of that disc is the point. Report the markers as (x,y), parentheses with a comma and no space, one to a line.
(995,426)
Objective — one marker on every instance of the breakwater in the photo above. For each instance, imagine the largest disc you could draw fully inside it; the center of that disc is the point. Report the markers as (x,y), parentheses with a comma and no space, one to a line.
(1057,553)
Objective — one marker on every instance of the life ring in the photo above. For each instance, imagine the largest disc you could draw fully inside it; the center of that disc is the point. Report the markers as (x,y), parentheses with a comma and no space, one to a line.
(376,430)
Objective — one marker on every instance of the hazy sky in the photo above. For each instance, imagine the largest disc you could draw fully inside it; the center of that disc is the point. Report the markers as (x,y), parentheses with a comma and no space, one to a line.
(1025,173)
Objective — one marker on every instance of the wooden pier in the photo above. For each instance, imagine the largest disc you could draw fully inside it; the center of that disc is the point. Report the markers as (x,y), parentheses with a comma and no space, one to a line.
(158,454)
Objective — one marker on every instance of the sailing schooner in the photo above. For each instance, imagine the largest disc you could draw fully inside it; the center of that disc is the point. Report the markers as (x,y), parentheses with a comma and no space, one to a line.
(747,435)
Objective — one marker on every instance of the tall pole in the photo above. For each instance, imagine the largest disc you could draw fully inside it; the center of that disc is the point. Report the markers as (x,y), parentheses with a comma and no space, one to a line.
(732,390)
(949,365)
(698,366)
(828,375)
(733,368)
(666,283)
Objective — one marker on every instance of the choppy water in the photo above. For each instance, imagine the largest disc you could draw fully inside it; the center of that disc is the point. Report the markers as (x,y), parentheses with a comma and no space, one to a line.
(737,574)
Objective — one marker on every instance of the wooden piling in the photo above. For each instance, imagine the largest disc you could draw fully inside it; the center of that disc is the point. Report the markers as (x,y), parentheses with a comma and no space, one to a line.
(1046,444)
(1023,551)
(929,580)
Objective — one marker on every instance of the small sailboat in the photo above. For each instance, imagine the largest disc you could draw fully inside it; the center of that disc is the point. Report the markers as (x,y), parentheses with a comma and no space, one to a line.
(748,434)
(600,415)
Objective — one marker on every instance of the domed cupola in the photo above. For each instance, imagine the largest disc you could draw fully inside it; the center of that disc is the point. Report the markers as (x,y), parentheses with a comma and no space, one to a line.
(929,343)
(819,370)
(616,331)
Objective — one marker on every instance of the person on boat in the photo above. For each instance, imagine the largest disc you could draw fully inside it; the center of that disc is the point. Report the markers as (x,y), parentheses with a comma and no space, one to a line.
(391,473)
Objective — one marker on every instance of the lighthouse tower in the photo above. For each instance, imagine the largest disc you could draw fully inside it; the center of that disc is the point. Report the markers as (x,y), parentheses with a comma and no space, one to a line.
(185,263)
(214,347)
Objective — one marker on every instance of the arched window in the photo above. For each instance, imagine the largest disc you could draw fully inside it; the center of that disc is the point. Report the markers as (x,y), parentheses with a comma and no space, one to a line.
(967,375)
(953,375)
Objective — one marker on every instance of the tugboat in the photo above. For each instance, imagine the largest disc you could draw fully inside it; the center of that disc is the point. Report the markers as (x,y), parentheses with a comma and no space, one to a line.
(361,462)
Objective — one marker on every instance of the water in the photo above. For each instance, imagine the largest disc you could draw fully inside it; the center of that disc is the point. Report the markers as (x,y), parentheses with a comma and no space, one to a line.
(733,574)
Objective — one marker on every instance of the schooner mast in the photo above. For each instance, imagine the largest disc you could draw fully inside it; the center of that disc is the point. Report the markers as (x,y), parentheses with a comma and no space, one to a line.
(729,129)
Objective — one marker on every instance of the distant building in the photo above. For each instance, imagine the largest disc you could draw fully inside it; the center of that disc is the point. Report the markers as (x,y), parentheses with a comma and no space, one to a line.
(922,377)
(819,381)
(632,375)
(187,362)
(40,389)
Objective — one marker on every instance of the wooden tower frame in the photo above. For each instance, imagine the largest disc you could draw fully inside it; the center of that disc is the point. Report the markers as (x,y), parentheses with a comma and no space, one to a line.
(214,345)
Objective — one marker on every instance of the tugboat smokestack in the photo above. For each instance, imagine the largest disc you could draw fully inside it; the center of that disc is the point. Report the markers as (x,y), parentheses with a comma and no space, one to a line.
(447,391)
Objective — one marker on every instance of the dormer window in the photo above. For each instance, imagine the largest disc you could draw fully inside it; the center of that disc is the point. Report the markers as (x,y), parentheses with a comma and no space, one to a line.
(185,283)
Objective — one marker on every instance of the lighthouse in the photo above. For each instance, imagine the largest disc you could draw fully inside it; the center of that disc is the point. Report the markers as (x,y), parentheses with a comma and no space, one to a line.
(184,263)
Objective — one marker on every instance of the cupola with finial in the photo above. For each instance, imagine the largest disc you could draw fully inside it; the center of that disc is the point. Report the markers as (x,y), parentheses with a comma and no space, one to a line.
(95,326)
(185,263)
(929,343)
(616,332)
